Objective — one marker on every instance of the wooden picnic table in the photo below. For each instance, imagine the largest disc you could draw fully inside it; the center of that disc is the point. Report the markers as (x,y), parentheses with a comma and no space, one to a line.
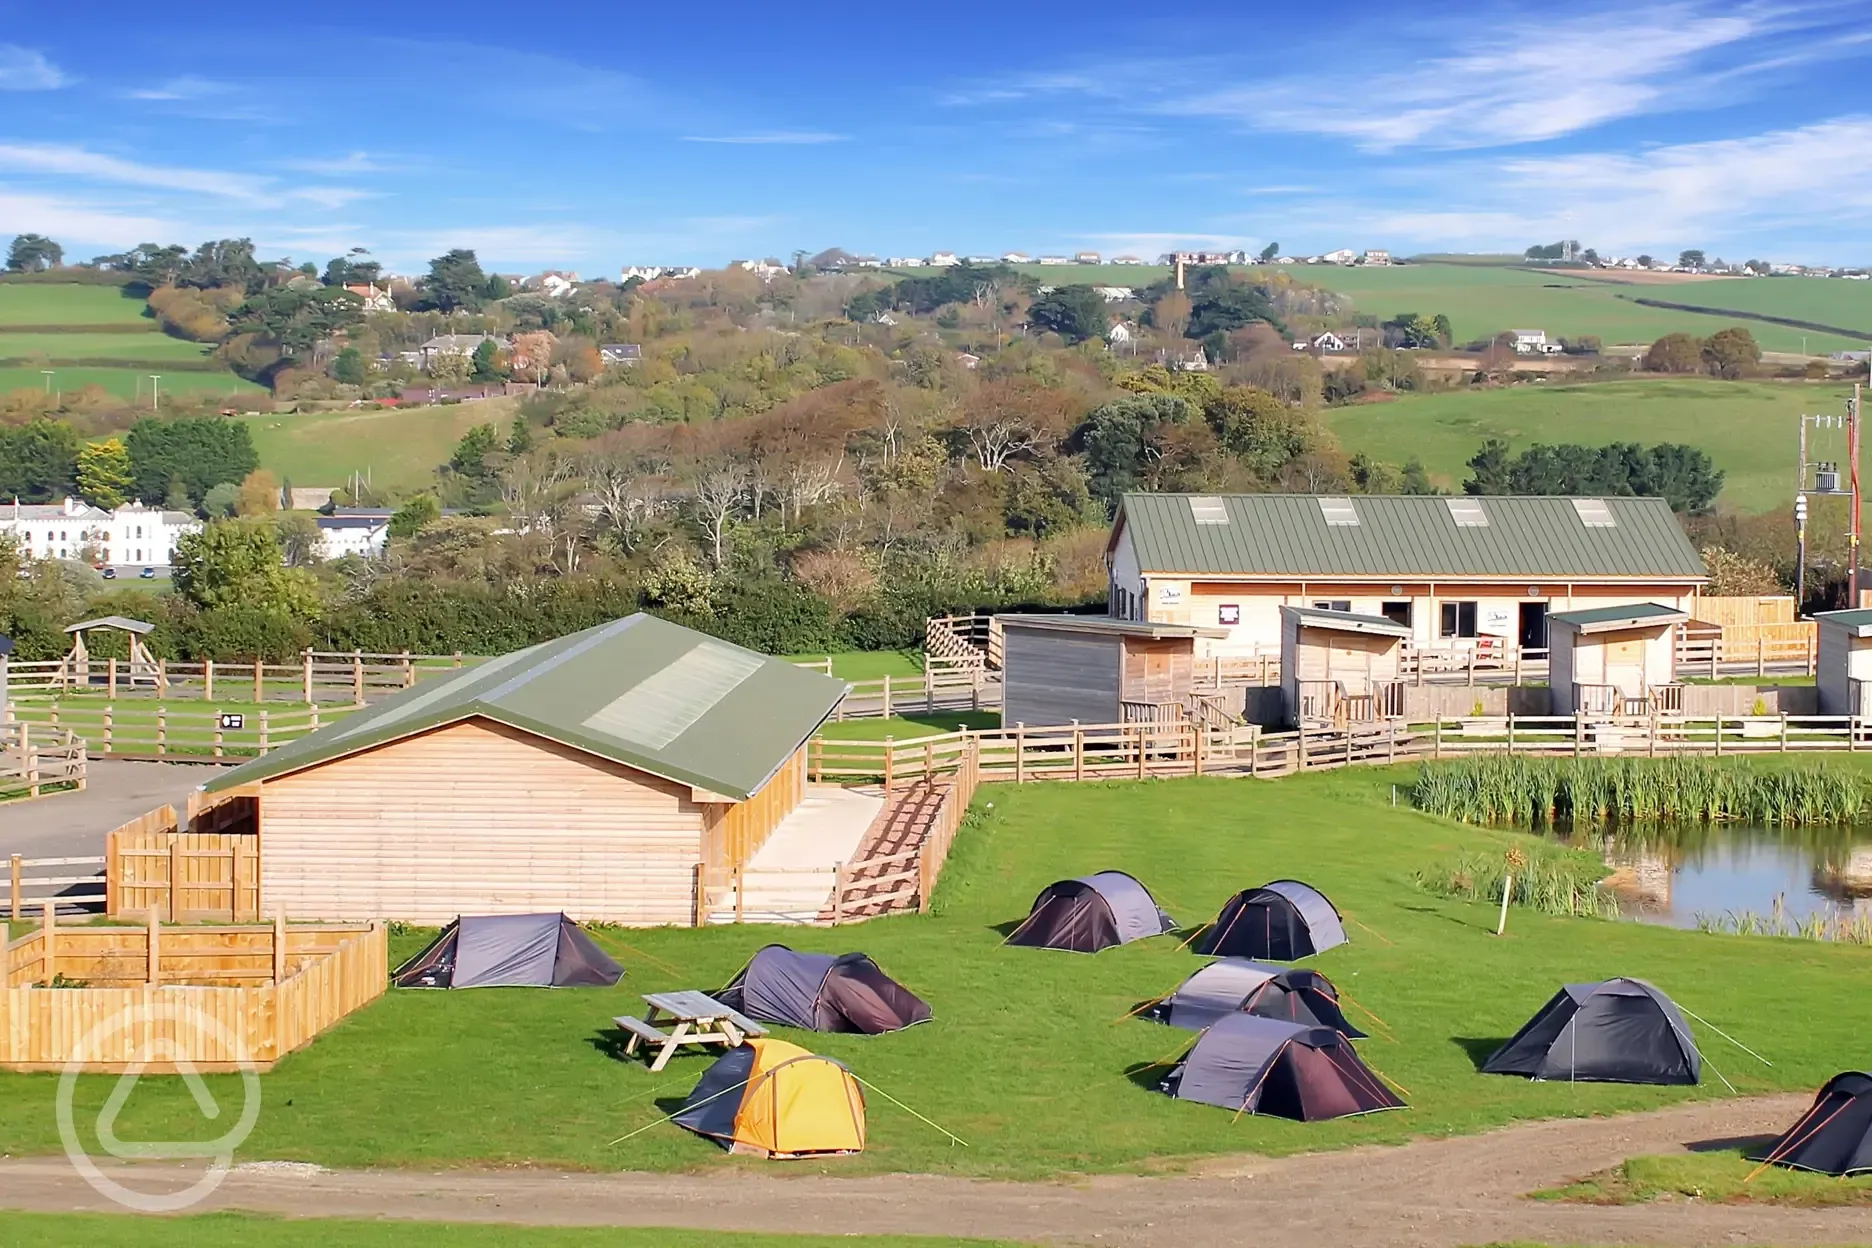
(691,1017)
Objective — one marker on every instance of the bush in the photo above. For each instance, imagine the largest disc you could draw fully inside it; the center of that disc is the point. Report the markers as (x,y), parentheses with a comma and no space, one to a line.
(244,634)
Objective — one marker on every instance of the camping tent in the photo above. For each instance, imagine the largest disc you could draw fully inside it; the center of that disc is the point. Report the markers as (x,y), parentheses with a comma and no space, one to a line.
(510,951)
(820,992)
(1618,1031)
(1091,913)
(1289,1070)
(775,1099)
(1238,986)
(1283,922)
(1835,1136)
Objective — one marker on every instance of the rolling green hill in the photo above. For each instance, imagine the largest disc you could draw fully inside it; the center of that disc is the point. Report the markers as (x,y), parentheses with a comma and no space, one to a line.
(99,336)
(32,303)
(396,450)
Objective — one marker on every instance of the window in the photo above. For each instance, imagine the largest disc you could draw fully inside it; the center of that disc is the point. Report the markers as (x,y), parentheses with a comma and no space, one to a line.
(1336,604)
(1228,613)
(1594,514)
(1338,512)
(1467,513)
(1459,620)
(1205,509)
(139,531)
(1397,612)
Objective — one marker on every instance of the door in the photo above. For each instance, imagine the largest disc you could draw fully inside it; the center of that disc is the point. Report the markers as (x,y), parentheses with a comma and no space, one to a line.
(1533,632)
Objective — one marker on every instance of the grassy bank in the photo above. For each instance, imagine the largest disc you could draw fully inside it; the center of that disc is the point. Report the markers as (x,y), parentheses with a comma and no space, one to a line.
(1541,791)
(394,450)
(1722,1176)
(1026,1058)
(73,304)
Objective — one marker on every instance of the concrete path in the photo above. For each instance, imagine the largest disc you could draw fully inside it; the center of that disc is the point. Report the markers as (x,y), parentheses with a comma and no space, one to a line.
(1438,1193)
(64,825)
(791,876)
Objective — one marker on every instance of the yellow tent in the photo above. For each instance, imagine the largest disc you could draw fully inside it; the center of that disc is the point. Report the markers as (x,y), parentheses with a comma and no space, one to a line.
(775,1099)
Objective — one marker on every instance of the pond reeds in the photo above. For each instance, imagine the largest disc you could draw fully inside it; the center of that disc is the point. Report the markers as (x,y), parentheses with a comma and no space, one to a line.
(1846,927)
(1549,880)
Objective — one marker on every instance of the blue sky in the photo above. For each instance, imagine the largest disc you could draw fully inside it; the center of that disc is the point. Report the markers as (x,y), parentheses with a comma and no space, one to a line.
(549,138)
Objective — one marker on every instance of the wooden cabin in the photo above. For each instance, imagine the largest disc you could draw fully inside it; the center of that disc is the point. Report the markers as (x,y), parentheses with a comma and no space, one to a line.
(1844,661)
(1615,661)
(604,774)
(1338,668)
(1059,668)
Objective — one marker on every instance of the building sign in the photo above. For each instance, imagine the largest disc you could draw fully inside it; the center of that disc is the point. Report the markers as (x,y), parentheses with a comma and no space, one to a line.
(1498,621)
(1228,613)
(231,722)
(1170,593)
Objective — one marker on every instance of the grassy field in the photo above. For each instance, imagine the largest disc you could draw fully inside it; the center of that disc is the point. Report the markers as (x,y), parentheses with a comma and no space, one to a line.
(1748,428)
(870,664)
(396,450)
(1027,1059)
(129,347)
(1721,1175)
(1825,300)
(128,383)
(24,303)
(905,727)
(225,1230)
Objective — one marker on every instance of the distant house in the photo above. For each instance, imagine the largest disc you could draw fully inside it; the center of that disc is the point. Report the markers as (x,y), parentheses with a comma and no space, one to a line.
(1126,260)
(983,260)
(1086,257)
(1114,294)
(651,272)
(1055,259)
(967,360)
(455,344)
(884,318)
(1120,334)
(1533,342)
(905,262)
(315,498)
(73,529)
(1329,341)
(1375,256)
(553,285)
(944,260)
(362,536)
(376,298)
(627,354)
(1196,361)
(1016,257)
(1345,255)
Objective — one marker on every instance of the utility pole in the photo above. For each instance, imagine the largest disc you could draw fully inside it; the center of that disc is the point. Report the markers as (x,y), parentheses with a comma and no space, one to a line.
(1800,552)
(155,392)
(1852,451)
(48,379)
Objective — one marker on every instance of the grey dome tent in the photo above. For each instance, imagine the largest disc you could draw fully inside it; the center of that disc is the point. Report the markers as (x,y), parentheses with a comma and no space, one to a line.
(510,951)
(1617,1031)
(1287,1070)
(822,992)
(1835,1136)
(1091,913)
(1238,986)
(1282,921)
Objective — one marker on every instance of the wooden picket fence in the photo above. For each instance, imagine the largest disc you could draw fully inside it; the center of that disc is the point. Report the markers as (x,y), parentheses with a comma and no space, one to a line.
(145,730)
(344,677)
(154,998)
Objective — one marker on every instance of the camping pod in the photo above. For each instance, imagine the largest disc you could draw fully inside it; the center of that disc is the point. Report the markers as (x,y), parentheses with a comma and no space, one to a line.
(1287,1070)
(1283,921)
(510,951)
(1238,986)
(1091,913)
(821,992)
(774,1099)
(1616,1031)
(1835,1136)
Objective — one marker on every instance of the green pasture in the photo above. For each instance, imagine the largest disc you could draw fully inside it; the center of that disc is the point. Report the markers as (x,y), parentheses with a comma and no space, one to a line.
(25,303)
(133,348)
(1749,429)
(1030,1059)
(395,450)
(1823,300)
(910,726)
(869,664)
(128,383)
(236,1230)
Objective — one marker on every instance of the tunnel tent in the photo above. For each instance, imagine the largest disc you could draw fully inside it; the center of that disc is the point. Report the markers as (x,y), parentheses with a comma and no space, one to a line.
(1238,986)
(1282,921)
(510,951)
(1286,1070)
(822,992)
(775,1099)
(1616,1031)
(1835,1135)
(1091,913)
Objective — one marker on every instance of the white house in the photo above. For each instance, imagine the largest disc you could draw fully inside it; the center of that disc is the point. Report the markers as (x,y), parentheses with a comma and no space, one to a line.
(1016,257)
(1345,255)
(944,260)
(363,536)
(455,344)
(1329,341)
(376,298)
(1127,260)
(628,354)
(1055,259)
(1085,257)
(1533,342)
(73,529)
(1119,334)
(905,262)
(1375,255)
(1114,294)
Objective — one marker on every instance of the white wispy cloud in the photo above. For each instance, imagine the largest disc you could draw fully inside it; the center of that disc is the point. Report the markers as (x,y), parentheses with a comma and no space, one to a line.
(350,162)
(185,87)
(28,69)
(78,162)
(761,137)
(69,218)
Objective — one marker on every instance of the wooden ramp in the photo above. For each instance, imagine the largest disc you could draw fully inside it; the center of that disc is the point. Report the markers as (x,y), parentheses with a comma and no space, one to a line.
(874,874)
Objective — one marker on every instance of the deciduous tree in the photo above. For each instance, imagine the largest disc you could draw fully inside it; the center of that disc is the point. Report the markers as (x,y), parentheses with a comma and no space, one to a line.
(104,475)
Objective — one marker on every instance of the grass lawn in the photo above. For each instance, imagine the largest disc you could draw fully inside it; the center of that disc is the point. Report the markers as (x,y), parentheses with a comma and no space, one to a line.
(223,1230)
(128,347)
(188,724)
(1721,1176)
(904,727)
(1823,300)
(1026,1058)
(394,449)
(1748,428)
(870,664)
(28,303)
(127,383)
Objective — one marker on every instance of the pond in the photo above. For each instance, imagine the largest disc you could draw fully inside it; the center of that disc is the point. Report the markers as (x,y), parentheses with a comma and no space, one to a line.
(1673,874)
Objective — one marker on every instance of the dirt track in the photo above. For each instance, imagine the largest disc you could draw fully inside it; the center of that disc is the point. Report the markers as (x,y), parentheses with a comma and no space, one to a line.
(1433,1192)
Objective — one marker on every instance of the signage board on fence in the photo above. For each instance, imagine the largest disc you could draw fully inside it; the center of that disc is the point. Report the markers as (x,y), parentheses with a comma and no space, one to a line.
(231,721)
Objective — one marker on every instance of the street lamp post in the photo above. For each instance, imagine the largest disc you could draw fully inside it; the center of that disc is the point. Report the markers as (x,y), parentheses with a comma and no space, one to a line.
(155,392)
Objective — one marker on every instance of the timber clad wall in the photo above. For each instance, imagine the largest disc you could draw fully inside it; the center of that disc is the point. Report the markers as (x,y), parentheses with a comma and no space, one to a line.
(1050,677)
(478,818)
(734,833)
(1157,670)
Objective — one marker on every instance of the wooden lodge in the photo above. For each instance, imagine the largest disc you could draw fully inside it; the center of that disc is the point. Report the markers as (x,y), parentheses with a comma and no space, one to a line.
(1059,668)
(1615,661)
(1844,664)
(607,774)
(1339,669)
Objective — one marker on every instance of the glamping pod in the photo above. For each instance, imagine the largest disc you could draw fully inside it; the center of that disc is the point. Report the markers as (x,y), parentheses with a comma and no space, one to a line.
(821,992)
(1617,1031)
(1287,1070)
(1283,921)
(774,1099)
(510,951)
(1091,913)
(1238,986)
(1835,1136)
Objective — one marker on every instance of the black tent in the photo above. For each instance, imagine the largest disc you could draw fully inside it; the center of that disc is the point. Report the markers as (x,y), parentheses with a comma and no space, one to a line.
(1835,1136)
(510,951)
(1091,913)
(820,992)
(1238,986)
(1289,1070)
(1282,921)
(1618,1031)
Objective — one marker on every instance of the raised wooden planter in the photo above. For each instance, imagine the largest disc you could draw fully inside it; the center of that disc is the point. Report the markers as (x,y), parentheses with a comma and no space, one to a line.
(162,999)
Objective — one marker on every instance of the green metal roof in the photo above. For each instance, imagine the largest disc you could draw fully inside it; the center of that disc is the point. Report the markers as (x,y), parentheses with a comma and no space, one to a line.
(1858,621)
(1348,622)
(1403,536)
(1600,619)
(639,691)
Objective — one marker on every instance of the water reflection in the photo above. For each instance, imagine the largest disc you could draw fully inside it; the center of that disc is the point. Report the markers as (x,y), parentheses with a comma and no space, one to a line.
(1671,874)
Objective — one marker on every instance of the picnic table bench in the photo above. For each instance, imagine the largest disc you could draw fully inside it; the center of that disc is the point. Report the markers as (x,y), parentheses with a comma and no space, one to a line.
(692,1018)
